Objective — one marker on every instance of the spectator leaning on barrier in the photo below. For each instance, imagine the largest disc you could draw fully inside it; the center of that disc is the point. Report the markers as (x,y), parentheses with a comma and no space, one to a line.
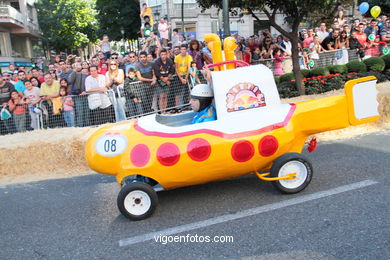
(18,105)
(33,98)
(182,65)
(81,104)
(146,74)
(98,101)
(315,48)
(164,69)
(50,88)
(329,43)
(114,75)
(67,107)
(133,94)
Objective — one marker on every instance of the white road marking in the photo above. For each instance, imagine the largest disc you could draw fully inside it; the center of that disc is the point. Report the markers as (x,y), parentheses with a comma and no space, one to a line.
(245,213)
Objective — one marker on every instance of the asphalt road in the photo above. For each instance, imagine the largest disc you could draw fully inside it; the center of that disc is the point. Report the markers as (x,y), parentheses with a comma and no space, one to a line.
(343,214)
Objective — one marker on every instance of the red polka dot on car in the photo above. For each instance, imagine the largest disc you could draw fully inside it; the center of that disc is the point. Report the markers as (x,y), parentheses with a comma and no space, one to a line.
(140,155)
(242,151)
(268,145)
(168,154)
(199,149)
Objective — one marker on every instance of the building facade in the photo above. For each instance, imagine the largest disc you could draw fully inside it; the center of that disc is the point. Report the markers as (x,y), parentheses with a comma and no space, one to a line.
(19,32)
(198,23)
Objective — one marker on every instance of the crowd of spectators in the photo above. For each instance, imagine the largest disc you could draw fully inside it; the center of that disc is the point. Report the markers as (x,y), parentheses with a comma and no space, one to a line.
(74,92)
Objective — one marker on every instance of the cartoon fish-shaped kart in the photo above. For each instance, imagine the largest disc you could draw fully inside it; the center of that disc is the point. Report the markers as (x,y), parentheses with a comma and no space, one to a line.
(255,135)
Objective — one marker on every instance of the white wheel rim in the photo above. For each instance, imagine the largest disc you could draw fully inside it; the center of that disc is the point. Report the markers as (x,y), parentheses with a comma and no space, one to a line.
(137,202)
(293,167)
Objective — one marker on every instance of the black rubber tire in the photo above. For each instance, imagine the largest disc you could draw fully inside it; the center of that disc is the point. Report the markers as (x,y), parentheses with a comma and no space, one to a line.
(282,160)
(134,186)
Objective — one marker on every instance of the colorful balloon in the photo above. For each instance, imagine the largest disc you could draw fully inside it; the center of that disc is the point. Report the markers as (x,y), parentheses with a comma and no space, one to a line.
(363,7)
(375,11)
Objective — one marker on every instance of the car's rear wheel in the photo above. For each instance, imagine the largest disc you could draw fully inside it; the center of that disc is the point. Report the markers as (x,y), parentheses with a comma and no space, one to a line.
(137,200)
(292,163)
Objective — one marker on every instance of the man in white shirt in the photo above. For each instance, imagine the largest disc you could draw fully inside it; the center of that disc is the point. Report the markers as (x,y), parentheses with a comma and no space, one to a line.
(163,28)
(322,33)
(96,84)
(286,46)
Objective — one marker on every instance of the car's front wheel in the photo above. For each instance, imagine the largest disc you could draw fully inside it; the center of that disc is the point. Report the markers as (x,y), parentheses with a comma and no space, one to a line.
(137,200)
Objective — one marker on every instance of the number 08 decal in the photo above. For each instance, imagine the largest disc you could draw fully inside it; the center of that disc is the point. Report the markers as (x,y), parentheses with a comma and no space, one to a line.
(110,145)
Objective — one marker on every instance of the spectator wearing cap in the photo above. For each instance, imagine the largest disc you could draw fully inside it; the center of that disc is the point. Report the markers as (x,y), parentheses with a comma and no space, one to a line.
(372,28)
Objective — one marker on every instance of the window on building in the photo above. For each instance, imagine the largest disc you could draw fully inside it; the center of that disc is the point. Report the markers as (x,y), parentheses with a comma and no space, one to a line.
(30,13)
(19,46)
(3,51)
(15,4)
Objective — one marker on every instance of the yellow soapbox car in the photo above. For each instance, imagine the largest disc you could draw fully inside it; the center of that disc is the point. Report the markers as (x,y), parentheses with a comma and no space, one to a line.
(254,133)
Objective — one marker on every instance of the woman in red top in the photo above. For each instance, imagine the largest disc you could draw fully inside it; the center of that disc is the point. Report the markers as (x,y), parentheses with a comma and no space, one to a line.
(18,106)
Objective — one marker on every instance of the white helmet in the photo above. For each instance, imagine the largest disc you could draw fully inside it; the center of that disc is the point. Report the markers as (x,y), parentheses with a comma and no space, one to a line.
(202,91)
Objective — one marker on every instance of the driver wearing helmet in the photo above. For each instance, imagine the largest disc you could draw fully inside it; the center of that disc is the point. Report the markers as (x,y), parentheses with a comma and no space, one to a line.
(201,98)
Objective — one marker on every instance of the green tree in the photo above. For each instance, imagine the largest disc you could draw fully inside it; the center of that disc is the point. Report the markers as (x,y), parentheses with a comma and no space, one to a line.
(118,14)
(295,11)
(67,24)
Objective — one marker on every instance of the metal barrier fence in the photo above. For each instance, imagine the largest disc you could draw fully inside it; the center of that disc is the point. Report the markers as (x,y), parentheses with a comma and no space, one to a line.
(127,101)
(124,102)
(333,57)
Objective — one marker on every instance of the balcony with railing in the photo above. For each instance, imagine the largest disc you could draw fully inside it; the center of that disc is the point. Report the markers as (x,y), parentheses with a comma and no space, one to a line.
(11,17)
(18,23)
